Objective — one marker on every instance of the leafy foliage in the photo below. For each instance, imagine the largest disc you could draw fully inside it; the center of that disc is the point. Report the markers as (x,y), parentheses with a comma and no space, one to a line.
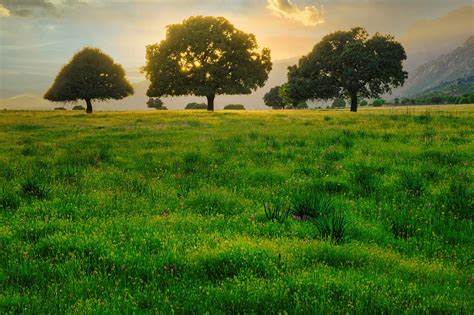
(339,103)
(349,64)
(206,56)
(234,107)
(90,75)
(273,99)
(155,103)
(378,103)
(196,106)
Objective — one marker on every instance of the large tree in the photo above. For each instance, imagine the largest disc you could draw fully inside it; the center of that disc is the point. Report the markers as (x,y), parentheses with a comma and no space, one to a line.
(90,75)
(206,56)
(349,64)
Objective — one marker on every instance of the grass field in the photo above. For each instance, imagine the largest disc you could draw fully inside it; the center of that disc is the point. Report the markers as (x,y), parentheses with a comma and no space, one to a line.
(186,211)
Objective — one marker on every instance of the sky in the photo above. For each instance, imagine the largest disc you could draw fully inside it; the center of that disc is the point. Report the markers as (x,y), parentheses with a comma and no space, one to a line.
(38,36)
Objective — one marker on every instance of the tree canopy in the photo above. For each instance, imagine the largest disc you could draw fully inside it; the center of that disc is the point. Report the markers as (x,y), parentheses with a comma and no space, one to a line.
(206,56)
(155,103)
(273,99)
(349,64)
(90,75)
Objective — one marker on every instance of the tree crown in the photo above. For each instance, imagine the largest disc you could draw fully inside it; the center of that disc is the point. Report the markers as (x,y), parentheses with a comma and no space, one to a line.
(206,56)
(90,74)
(273,99)
(347,64)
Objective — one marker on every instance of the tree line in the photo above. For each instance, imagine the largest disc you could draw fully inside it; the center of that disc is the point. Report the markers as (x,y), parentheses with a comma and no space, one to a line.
(208,56)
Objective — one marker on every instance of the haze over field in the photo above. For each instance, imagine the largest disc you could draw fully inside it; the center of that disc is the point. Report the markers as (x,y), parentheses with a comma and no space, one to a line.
(38,37)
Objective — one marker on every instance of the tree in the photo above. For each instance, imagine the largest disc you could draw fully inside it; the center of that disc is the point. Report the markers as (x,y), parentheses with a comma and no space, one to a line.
(206,56)
(155,103)
(396,101)
(349,64)
(288,100)
(90,75)
(339,103)
(273,99)
(196,106)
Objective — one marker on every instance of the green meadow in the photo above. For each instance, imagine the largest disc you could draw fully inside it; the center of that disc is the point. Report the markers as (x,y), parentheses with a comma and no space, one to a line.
(237,212)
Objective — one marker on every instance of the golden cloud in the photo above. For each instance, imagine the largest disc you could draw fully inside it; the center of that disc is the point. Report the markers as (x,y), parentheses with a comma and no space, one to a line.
(4,11)
(309,15)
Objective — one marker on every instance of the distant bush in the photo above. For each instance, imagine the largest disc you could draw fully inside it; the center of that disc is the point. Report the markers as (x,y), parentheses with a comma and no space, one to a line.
(437,100)
(339,103)
(363,103)
(471,98)
(60,108)
(196,106)
(378,103)
(302,105)
(234,107)
(155,103)
(78,107)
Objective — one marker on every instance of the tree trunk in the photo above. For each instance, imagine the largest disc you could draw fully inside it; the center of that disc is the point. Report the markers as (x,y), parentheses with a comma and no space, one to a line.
(210,102)
(354,103)
(89,106)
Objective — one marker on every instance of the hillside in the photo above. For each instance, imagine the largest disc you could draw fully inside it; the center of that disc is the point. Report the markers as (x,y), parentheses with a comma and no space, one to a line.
(445,70)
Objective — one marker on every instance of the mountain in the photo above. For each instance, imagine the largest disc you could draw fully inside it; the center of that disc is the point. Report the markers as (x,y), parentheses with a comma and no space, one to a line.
(443,71)
(428,39)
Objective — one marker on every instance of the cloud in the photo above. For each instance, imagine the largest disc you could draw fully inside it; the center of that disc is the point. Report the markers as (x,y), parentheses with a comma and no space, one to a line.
(29,7)
(309,15)
(25,8)
(4,11)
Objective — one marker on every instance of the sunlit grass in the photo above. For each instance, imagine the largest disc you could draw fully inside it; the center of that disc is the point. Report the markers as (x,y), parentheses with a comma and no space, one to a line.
(165,211)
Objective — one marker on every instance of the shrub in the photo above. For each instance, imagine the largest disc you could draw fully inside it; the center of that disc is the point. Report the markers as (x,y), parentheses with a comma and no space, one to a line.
(437,100)
(234,107)
(378,103)
(363,103)
(196,106)
(59,108)
(339,103)
(78,107)
(302,105)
